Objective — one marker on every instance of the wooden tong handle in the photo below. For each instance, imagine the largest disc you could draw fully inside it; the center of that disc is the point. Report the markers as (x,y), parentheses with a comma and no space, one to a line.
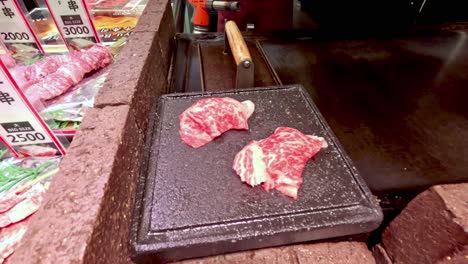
(237,43)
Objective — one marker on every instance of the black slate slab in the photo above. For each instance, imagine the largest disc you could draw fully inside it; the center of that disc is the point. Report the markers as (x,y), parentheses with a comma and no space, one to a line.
(191,203)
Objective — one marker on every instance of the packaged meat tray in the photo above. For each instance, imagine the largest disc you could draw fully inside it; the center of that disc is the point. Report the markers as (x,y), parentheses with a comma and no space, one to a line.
(190,202)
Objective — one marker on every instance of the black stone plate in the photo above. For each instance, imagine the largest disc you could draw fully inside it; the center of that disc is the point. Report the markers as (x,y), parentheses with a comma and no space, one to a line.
(190,202)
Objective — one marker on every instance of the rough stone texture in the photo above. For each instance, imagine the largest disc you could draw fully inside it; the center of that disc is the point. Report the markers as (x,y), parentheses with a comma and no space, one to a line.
(136,77)
(158,17)
(319,253)
(459,257)
(81,220)
(140,70)
(433,228)
(380,255)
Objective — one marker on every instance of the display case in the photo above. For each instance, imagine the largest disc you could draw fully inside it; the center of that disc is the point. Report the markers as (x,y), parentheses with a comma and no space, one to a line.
(113,20)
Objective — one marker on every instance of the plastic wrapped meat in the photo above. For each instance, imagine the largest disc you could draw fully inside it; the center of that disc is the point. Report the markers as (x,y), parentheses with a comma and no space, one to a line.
(68,74)
(55,84)
(15,208)
(10,199)
(10,238)
(28,204)
(28,75)
(37,151)
(209,118)
(277,162)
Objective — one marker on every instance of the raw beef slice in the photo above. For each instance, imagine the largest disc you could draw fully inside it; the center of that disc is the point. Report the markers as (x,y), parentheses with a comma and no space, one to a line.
(209,118)
(23,208)
(277,162)
(11,198)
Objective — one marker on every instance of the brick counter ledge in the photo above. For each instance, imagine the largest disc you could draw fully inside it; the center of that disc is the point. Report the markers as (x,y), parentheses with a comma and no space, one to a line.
(433,228)
(318,253)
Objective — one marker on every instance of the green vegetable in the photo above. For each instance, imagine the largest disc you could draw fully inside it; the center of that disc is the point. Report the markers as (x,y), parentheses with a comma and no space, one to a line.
(64,124)
(55,114)
(11,175)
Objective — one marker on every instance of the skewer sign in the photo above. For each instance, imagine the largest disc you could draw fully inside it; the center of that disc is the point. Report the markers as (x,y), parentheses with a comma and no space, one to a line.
(16,32)
(21,127)
(73,22)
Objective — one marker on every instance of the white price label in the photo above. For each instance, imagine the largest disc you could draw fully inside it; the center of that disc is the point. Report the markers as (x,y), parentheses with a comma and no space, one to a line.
(15,27)
(21,127)
(73,20)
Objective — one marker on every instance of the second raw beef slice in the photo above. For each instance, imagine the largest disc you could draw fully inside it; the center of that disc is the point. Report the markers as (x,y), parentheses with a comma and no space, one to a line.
(277,161)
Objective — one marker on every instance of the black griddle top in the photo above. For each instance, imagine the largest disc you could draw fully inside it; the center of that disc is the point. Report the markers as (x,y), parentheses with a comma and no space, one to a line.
(191,203)
(397,105)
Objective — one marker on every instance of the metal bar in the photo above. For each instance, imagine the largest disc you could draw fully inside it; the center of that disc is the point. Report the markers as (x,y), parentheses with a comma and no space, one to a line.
(268,63)
(202,74)
(179,14)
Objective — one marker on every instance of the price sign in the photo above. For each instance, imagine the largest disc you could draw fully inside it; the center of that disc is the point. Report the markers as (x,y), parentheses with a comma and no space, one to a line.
(21,127)
(73,21)
(16,32)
